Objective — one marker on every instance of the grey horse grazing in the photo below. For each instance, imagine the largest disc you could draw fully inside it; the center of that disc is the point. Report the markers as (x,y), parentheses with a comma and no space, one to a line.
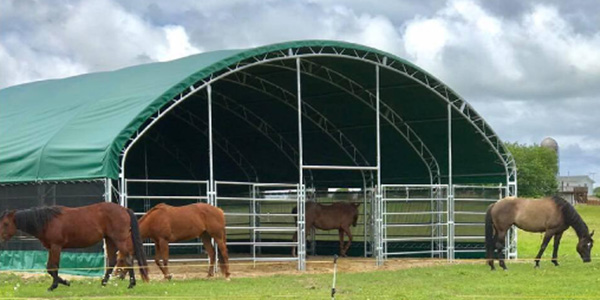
(552,215)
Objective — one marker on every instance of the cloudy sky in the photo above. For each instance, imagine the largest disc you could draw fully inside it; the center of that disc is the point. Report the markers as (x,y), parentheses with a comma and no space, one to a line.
(531,68)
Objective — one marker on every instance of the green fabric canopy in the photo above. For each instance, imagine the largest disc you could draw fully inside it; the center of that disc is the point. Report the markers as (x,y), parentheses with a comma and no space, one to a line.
(76,128)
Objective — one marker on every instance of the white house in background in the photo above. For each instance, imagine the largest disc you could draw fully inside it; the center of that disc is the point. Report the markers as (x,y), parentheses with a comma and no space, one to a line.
(568,183)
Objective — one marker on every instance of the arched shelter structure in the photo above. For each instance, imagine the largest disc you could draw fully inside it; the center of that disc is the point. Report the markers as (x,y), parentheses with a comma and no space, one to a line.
(310,114)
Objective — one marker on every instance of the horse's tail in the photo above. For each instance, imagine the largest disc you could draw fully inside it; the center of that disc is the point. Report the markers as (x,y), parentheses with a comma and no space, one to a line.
(489,233)
(138,247)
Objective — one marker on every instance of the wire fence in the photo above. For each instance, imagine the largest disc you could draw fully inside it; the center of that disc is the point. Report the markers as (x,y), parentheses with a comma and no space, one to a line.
(309,262)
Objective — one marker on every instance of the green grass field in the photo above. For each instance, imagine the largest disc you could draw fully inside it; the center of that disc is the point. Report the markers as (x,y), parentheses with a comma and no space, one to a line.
(571,280)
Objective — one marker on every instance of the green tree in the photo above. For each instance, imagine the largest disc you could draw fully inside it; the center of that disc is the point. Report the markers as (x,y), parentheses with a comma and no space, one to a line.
(537,167)
(597,192)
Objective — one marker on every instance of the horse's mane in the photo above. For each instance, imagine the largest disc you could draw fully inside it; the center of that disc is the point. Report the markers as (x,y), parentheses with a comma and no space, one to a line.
(158,206)
(571,216)
(33,220)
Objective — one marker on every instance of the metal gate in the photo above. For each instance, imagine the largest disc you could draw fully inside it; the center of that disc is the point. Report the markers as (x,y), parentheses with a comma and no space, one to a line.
(143,194)
(470,205)
(427,220)
(414,220)
(260,219)
(258,215)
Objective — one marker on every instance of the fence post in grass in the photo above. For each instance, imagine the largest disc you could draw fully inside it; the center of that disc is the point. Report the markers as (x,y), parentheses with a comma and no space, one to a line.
(335,257)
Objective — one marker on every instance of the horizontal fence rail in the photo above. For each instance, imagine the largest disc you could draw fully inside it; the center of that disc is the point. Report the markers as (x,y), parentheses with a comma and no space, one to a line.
(261,224)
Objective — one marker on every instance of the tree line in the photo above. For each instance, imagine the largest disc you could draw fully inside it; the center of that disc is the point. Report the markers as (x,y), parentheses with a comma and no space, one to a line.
(537,168)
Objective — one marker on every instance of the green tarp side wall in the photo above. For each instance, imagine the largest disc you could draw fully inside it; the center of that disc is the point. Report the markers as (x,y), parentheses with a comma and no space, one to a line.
(75,263)
(76,128)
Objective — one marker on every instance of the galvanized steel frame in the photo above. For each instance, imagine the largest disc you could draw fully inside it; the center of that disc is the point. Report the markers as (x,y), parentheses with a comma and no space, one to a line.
(455,104)
(223,143)
(361,93)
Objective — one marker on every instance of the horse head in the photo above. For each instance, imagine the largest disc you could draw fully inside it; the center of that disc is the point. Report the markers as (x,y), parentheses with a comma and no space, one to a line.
(123,263)
(584,247)
(8,227)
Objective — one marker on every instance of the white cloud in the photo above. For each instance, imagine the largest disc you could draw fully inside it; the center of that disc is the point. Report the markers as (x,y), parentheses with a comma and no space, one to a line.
(84,37)
(530,76)
(537,55)
(178,44)
(424,40)
(528,67)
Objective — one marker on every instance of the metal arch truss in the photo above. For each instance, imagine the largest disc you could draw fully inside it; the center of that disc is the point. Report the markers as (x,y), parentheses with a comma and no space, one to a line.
(288,98)
(223,143)
(361,93)
(456,103)
(257,123)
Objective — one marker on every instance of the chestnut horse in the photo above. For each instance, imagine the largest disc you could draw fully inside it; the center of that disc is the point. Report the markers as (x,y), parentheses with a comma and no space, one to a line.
(164,224)
(552,215)
(59,227)
(338,215)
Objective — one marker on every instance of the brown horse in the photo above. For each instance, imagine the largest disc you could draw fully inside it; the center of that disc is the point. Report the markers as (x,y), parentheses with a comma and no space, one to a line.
(59,227)
(338,215)
(552,215)
(164,224)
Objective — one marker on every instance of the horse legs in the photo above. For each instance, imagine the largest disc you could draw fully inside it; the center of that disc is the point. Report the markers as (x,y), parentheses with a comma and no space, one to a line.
(52,267)
(111,252)
(223,256)
(490,252)
(349,234)
(294,239)
(545,242)
(125,249)
(557,238)
(341,234)
(211,253)
(500,241)
(162,253)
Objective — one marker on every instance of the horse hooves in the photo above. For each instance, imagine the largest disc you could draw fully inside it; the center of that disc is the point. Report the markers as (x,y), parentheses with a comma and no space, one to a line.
(52,288)
(66,282)
(131,286)
(169,277)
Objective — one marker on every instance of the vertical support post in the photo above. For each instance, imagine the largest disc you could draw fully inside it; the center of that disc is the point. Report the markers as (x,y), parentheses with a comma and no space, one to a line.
(365,219)
(254,217)
(301,190)
(450,203)
(107,190)
(107,198)
(211,181)
(379,192)
(123,195)
(211,191)
(511,236)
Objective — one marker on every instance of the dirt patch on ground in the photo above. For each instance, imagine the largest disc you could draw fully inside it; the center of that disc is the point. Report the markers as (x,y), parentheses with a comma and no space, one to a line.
(314,265)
